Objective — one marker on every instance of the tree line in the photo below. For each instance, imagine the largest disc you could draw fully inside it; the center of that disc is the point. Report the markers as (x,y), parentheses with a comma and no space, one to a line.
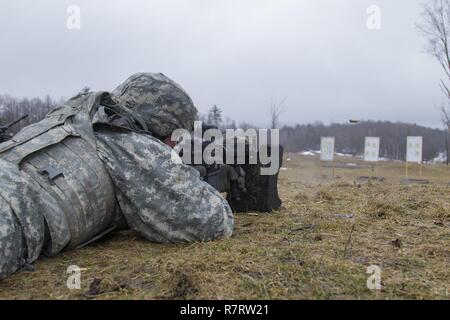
(12,108)
(350,138)
(302,137)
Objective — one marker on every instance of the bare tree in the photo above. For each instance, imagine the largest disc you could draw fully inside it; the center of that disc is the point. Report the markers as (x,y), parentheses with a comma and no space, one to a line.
(13,108)
(276,108)
(245,126)
(228,124)
(85,90)
(435,27)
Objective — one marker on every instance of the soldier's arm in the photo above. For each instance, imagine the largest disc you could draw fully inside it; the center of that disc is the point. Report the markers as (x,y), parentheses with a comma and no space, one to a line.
(163,200)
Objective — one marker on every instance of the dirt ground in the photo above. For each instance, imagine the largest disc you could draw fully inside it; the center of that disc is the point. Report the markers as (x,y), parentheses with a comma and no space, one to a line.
(318,246)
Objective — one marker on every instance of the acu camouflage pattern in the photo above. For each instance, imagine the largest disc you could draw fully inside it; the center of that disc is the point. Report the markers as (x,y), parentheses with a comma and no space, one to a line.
(55,191)
(60,181)
(161,102)
(163,200)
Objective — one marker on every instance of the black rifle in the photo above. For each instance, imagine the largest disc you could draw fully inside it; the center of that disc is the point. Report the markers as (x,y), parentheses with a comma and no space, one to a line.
(251,191)
(5,136)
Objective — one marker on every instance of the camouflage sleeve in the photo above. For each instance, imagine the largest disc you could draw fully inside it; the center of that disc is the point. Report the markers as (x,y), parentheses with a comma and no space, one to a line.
(162,200)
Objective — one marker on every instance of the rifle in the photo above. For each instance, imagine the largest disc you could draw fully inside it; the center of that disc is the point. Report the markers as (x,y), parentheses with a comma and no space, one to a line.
(249,190)
(5,136)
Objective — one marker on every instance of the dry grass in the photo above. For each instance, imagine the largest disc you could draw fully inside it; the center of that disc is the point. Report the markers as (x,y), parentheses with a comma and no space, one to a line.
(317,247)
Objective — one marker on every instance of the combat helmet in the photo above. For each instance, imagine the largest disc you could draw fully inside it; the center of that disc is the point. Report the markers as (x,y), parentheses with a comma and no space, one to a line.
(159,101)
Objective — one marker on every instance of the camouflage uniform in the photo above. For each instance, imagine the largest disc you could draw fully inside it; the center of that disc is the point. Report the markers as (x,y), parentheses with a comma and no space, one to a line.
(164,200)
(92,166)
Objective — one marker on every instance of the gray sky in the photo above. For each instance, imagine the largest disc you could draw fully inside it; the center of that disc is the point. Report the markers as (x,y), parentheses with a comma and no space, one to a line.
(238,54)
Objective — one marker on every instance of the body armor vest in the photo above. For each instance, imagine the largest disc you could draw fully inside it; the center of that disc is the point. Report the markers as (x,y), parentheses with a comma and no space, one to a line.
(57,160)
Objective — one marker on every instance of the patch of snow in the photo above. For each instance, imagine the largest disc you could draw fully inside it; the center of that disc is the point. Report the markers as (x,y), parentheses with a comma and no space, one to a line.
(309,153)
(440,158)
(344,155)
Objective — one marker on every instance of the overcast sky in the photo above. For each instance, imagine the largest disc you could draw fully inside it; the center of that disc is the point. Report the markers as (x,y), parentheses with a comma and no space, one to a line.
(239,54)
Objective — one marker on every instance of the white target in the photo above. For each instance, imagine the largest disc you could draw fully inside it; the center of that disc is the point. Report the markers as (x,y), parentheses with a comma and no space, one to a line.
(414,149)
(372,149)
(327,148)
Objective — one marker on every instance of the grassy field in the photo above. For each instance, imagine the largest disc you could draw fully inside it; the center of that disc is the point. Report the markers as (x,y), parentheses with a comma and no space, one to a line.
(318,246)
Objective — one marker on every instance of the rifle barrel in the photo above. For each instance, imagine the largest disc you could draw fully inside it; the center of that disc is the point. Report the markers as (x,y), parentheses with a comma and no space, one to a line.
(9,125)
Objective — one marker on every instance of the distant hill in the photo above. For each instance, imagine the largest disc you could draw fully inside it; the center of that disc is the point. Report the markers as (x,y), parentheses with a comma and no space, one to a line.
(350,138)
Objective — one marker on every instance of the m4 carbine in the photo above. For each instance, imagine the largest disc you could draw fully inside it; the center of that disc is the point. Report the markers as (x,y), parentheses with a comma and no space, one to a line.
(247,190)
(5,136)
